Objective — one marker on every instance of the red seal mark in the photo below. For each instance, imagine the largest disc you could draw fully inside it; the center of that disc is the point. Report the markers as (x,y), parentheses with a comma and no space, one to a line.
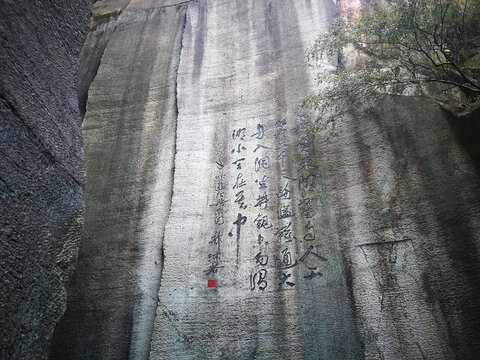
(211,283)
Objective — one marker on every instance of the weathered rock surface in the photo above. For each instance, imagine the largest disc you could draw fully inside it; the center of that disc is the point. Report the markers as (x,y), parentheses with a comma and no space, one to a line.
(241,73)
(41,168)
(129,131)
(217,227)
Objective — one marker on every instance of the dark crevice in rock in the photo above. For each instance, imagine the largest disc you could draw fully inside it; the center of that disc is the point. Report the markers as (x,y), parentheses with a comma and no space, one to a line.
(347,270)
(87,79)
(467,131)
(90,58)
(6,106)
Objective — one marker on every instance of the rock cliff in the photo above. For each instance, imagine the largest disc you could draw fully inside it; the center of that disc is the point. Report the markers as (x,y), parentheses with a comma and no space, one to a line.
(217,226)
(42,170)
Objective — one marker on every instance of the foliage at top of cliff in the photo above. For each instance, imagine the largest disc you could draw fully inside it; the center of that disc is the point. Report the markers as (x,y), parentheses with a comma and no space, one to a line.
(401,47)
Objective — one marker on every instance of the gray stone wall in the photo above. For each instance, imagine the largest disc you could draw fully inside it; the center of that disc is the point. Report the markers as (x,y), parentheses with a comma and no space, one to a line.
(130,131)
(42,170)
(218,227)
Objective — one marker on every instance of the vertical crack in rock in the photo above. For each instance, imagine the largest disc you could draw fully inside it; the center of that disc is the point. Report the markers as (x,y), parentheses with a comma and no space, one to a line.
(160,202)
(88,66)
(141,350)
(103,24)
(129,131)
(177,64)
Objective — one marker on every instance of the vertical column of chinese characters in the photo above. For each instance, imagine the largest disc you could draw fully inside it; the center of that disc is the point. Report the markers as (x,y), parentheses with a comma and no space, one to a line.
(258,278)
(307,184)
(285,215)
(215,242)
(238,153)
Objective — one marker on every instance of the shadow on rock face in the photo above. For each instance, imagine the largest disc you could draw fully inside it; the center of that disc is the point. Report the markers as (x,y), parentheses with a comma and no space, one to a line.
(467,131)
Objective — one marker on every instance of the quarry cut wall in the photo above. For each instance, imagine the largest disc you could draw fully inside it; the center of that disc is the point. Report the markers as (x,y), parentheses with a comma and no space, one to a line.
(216,225)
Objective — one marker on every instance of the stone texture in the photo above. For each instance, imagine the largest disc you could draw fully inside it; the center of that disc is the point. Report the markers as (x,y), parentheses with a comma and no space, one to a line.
(406,191)
(129,131)
(242,64)
(371,233)
(41,168)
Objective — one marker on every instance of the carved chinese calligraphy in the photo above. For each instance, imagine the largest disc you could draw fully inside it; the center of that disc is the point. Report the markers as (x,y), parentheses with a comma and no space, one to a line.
(270,219)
